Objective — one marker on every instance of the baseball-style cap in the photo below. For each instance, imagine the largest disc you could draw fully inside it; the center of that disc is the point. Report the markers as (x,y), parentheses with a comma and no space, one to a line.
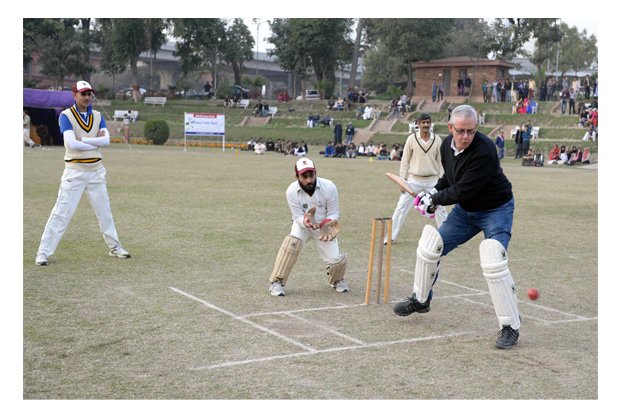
(82,86)
(303,165)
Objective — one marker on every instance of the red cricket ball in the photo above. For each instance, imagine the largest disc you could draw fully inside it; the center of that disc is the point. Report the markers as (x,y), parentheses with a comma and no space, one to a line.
(533,293)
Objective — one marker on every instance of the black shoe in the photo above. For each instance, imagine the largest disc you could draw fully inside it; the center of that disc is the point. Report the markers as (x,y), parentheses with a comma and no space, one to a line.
(411,305)
(507,337)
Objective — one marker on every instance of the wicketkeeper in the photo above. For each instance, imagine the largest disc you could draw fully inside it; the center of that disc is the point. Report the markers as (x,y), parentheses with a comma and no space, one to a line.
(314,204)
(475,183)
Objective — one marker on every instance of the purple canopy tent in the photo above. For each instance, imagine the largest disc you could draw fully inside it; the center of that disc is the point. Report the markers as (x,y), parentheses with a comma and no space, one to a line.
(44,107)
(42,98)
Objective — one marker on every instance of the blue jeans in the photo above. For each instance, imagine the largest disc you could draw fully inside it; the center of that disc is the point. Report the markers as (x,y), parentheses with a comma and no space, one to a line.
(462,225)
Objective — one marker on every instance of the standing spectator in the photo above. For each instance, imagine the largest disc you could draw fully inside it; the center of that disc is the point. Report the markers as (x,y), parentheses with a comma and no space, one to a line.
(441,90)
(586,85)
(485,90)
(527,135)
(501,146)
(467,86)
(421,167)
(338,133)
(518,141)
(566,96)
(349,133)
(572,96)
(127,119)
(26,129)
(460,84)
(531,87)
(475,184)
(84,132)
(434,90)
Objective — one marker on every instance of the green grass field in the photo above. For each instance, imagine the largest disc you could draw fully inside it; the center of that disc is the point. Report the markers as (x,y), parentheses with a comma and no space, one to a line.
(190,315)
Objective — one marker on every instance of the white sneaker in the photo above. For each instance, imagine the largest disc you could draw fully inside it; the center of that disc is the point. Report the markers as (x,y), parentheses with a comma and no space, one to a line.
(341,286)
(119,252)
(276,289)
(41,260)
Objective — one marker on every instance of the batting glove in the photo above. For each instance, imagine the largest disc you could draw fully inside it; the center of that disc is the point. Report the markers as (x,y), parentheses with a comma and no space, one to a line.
(423,203)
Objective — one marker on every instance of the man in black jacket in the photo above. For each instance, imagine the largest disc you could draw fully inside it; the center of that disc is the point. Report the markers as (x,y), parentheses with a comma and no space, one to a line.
(474,182)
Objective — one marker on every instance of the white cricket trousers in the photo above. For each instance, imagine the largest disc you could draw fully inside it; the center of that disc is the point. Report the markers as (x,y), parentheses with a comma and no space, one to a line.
(405,205)
(328,251)
(73,184)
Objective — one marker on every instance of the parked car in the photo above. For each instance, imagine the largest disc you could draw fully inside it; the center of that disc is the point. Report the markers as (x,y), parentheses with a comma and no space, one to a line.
(311,95)
(127,93)
(238,92)
(195,94)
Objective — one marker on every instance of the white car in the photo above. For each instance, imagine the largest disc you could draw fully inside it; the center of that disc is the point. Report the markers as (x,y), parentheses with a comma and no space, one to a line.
(311,95)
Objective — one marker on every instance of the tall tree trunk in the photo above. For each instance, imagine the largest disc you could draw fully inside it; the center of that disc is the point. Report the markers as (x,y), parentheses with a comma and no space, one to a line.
(86,23)
(355,54)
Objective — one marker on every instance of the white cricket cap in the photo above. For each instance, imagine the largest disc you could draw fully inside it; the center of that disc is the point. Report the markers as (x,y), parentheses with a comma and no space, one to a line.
(82,86)
(303,165)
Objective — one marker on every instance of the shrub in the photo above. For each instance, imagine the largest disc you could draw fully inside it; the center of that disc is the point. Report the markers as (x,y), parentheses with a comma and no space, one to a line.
(157,131)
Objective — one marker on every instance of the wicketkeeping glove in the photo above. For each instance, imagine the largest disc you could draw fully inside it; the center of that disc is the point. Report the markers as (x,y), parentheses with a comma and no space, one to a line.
(309,219)
(329,229)
(423,203)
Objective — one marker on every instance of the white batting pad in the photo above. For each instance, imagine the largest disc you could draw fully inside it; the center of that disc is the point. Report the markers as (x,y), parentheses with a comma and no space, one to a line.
(494,261)
(337,271)
(429,251)
(286,259)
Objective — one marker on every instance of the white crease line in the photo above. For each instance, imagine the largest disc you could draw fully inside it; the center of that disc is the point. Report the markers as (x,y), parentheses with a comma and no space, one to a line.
(301,310)
(332,350)
(463,296)
(251,323)
(335,332)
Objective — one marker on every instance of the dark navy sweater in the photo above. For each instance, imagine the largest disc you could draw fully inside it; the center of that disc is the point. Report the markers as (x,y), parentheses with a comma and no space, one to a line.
(473,179)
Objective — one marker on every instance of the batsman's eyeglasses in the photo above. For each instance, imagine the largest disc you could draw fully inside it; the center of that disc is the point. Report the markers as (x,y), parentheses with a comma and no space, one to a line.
(463,132)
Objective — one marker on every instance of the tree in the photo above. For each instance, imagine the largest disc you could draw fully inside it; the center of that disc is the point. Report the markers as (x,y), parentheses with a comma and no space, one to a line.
(412,39)
(126,40)
(383,68)
(237,47)
(578,50)
(318,44)
(59,46)
(469,37)
(198,44)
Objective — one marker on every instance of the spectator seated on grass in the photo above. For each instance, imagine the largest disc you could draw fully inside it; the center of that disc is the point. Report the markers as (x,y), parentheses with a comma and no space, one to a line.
(329,150)
(575,156)
(554,154)
(326,121)
(538,159)
(528,158)
(383,154)
(340,150)
(586,156)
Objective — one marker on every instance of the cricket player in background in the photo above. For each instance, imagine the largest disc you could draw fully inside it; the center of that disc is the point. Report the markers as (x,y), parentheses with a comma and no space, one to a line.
(84,132)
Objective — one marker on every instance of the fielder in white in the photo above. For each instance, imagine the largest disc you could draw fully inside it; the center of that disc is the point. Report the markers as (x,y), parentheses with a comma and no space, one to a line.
(26,130)
(314,204)
(84,132)
(421,167)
